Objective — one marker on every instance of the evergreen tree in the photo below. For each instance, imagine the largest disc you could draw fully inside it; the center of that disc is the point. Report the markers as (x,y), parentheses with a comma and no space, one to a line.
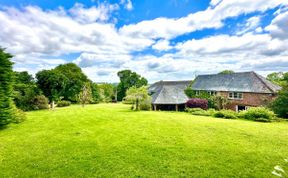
(6,82)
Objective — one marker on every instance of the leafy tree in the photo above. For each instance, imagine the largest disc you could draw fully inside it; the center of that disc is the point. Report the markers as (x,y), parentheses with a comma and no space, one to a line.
(127,80)
(106,92)
(52,83)
(227,72)
(95,93)
(6,81)
(75,80)
(85,96)
(137,95)
(280,104)
(25,91)
(277,78)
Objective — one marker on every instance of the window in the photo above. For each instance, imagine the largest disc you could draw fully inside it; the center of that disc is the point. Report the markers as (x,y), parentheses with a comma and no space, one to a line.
(235,95)
(197,93)
(212,93)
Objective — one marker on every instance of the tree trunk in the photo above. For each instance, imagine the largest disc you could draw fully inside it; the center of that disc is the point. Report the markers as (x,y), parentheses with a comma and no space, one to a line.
(137,104)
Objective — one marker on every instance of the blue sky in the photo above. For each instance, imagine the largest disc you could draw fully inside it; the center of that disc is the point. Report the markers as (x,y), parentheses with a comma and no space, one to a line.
(161,40)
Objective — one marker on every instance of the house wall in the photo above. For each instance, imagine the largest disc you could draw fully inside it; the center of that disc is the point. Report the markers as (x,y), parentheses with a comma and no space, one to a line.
(249,99)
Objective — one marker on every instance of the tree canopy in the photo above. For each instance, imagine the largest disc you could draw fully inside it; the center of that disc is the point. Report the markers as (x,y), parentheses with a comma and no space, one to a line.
(277,77)
(227,72)
(137,95)
(127,80)
(64,81)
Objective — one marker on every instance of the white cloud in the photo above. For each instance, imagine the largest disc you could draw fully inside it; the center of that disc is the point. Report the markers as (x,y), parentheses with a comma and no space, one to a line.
(251,24)
(162,45)
(279,26)
(127,4)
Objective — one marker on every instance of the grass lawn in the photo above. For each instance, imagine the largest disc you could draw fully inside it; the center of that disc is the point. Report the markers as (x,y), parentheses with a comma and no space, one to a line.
(109,140)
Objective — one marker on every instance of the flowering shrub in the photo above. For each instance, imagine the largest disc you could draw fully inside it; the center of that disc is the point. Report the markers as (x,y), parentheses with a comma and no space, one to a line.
(197,103)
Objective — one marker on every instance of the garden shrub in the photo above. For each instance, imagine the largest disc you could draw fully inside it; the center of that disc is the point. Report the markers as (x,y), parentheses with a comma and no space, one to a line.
(197,103)
(40,102)
(260,114)
(200,112)
(226,114)
(63,103)
(145,105)
(19,116)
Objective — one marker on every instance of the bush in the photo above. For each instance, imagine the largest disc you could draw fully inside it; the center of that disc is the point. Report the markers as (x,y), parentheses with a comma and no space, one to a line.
(260,114)
(19,116)
(40,102)
(226,114)
(200,112)
(145,105)
(197,103)
(63,103)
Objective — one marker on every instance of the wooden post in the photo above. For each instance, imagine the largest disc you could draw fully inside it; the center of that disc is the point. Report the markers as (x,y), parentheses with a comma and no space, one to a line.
(176,107)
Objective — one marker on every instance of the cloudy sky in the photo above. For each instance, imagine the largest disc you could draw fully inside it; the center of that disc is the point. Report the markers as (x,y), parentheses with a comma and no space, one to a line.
(161,40)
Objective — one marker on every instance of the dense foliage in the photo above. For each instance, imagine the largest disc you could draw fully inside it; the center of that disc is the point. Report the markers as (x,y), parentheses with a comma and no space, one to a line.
(200,112)
(106,92)
(85,95)
(25,91)
(277,78)
(136,96)
(127,80)
(63,103)
(64,81)
(226,114)
(258,114)
(6,81)
(197,103)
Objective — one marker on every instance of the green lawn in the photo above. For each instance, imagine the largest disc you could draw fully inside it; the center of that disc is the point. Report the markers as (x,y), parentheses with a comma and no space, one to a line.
(109,140)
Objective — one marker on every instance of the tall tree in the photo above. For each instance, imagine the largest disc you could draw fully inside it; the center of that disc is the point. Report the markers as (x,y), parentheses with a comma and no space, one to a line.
(95,93)
(52,83)
(127,80)
(106,91)
(6,82)
(76,80)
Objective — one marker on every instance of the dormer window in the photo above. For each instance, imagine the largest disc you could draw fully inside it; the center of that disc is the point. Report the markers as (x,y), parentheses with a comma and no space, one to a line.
(235,95)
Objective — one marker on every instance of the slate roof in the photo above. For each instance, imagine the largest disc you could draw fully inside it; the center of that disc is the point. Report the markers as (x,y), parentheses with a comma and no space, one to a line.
(169,92)
(241,82)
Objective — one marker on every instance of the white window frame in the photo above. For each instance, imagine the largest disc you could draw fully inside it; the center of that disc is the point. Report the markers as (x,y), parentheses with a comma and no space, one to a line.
(235,95)
(197,92)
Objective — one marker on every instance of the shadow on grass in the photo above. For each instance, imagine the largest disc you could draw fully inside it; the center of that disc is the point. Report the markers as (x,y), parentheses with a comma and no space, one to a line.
(3,127)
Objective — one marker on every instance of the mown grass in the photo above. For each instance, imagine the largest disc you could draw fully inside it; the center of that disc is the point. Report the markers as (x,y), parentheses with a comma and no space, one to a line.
(109,140)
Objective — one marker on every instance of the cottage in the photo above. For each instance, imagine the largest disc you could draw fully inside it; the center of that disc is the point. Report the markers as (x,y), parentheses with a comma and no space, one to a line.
(169,95)
(243,89)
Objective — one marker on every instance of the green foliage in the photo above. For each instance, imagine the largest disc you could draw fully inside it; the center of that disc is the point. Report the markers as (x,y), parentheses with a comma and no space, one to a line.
(63,103)
(19,116)
(95,93)
(218,102)
(227,72)
(127,80)
(277,78)
(64,81)
(39,102)
(226,114)
(145,105)
(200,112)
(24,90)
(258,114)
(280,104)
(85,95)
(6,81)
(106,92)
(200,94)
(137,95)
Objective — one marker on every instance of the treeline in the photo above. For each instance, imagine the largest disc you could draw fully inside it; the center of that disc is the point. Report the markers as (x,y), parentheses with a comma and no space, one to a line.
(61,86)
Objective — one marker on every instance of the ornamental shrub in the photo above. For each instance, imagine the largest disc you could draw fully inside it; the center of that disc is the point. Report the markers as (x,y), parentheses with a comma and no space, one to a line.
(40,102)
(226,114)
(63,103)
(200,112)
(197,103)
(145,105)
(260,114)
